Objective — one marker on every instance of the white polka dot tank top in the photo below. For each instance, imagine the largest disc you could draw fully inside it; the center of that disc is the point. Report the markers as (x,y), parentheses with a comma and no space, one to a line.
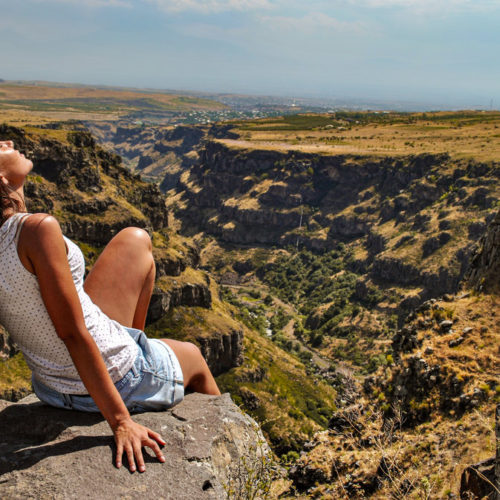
(23,314)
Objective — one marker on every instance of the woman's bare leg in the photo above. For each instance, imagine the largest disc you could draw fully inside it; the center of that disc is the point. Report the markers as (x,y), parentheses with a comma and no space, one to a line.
(121,281)
(197,375)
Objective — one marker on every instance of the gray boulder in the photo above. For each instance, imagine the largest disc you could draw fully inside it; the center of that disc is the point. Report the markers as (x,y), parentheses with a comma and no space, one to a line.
(59,454)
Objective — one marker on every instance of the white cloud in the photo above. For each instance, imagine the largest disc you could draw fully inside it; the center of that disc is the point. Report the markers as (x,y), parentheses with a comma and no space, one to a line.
(314,21)
(91,3)
(215,6)
(210,6)
(428,5)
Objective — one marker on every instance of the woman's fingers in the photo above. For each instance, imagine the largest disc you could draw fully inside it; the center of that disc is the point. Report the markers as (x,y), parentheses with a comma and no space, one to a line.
(130,438)
(119,454)
(138,457)
(156,437)
(156,449)
(130,457)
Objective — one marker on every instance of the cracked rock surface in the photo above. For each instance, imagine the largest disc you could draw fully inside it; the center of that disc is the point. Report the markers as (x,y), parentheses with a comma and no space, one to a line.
(60,454)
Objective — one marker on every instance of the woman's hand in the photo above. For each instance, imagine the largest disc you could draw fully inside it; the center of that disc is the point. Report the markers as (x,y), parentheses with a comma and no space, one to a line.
(130,437)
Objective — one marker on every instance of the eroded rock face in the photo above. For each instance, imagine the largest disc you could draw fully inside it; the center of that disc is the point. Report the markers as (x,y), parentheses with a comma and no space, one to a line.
(155,152)
(485,265)
(222,352)
(59,454)
(188,294)
(477,480)
(482,480)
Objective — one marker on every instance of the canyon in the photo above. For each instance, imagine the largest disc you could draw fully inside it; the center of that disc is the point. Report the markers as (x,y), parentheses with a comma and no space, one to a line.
(348,301)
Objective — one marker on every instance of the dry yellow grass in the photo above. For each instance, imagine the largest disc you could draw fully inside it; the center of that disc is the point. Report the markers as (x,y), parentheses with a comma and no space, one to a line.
(461,134)
(430,456)
(478,356)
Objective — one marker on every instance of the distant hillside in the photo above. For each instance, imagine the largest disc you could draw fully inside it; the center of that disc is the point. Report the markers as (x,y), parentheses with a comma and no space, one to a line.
(159,154)
(384,233)
(42,102)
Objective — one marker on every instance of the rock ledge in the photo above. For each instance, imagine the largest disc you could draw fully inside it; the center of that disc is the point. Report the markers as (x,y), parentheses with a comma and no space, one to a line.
(50,453)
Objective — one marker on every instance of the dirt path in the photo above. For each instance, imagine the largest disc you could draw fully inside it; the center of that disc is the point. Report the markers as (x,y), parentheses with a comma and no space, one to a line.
(316,359)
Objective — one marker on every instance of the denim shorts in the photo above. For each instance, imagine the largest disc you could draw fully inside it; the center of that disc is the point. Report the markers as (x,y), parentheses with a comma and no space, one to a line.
(155,381)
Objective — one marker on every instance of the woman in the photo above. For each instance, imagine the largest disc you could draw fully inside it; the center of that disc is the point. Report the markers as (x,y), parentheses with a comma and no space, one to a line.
(83,340)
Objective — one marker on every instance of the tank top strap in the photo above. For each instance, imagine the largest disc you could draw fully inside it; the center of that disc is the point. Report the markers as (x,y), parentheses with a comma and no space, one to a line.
(20,222)
(10,229)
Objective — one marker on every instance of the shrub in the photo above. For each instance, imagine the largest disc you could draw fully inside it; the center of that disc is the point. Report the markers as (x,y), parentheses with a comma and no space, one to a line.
(252,476)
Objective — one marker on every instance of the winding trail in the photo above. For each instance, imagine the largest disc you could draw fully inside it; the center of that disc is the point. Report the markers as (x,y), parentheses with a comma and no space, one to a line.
(319,361)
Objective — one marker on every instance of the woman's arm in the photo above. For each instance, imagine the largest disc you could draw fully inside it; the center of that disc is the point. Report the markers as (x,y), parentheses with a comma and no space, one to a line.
(42,247)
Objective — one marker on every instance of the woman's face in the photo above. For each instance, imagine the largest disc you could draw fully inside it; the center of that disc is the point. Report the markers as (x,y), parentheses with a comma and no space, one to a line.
(14,166)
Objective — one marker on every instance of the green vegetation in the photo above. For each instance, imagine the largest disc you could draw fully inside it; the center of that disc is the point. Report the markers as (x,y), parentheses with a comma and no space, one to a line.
(252,476)
(321,288)
(347,119)
(295,276)
(14,376)
(338,119)
(275,388)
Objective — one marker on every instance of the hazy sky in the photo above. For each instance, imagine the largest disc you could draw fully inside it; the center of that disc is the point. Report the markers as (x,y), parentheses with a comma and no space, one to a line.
(444,51)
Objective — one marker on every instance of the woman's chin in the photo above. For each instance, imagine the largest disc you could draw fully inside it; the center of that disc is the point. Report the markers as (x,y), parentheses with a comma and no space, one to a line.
(29,165)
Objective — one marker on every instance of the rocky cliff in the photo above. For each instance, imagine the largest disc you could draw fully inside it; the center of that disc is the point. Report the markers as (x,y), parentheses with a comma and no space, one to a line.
(410,222)
(90,188)
(428,413)
(484,273)
(212,451)
(158,153)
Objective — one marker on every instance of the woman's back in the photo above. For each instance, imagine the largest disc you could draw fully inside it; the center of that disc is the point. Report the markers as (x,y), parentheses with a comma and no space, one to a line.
(24,315)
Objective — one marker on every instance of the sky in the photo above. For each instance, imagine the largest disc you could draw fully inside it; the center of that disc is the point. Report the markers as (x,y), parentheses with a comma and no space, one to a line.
(441,51)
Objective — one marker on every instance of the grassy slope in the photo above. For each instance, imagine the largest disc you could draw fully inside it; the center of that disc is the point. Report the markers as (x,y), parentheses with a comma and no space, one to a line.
(432,455)
(14,375)
(292,404)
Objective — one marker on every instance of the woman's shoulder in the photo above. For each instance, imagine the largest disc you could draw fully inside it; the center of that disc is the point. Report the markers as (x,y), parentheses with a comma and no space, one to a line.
(41,222)
(40,231)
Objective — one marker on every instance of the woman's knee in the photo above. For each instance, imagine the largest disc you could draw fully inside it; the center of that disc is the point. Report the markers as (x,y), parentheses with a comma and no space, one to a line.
(194,352)
(136,237)
(197,363)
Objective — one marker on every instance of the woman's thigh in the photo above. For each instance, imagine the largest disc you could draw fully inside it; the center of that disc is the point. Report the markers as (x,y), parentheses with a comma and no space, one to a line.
(123,271)
(189,357)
